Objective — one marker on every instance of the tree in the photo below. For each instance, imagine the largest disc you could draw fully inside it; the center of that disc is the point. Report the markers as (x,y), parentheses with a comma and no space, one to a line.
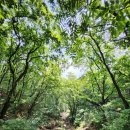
(89,32)
(28,41)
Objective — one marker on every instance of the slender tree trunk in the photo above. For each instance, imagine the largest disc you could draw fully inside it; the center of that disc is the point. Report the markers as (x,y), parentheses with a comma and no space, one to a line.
(126,104)
(33,105)
(2,77)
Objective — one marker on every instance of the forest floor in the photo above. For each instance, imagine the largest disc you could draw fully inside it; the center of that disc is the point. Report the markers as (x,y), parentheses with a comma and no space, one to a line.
(62,124)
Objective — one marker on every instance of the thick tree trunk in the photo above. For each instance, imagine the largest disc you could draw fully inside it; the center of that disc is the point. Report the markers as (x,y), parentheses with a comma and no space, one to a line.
(5,108)
(7,102)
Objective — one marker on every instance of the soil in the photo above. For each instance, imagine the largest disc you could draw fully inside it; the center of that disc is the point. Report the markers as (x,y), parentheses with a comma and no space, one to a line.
(62,124)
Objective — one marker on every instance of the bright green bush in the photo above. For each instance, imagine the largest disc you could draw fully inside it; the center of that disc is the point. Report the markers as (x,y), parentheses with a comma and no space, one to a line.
(122,122)
(90,117)
(18,124)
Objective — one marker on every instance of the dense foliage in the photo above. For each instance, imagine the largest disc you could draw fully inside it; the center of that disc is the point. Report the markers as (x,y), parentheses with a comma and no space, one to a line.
(40,39)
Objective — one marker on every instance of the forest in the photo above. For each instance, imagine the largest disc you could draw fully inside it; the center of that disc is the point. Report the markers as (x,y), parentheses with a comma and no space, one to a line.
(40,40)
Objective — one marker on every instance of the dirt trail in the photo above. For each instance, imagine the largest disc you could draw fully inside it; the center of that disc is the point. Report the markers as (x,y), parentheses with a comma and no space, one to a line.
(62,124)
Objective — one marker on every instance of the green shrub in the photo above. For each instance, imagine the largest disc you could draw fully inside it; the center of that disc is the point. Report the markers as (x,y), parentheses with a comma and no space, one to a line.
(18,124)
(90,117)
(122,122)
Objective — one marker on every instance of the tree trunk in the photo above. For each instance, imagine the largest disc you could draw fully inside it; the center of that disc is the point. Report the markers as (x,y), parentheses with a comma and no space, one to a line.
(33,105)
(7,102)
(126,104)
